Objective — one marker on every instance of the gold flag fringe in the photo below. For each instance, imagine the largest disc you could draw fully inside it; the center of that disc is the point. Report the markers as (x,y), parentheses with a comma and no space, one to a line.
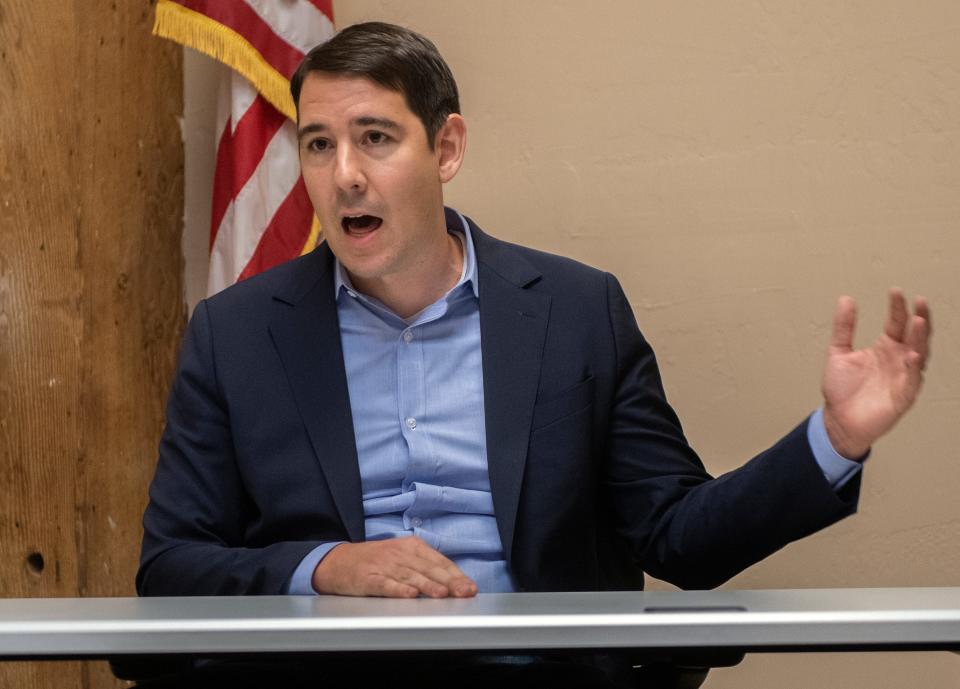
(313,239)
(222,43)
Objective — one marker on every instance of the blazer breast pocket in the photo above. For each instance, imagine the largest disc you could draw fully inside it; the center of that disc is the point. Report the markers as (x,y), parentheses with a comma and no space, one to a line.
(565,403)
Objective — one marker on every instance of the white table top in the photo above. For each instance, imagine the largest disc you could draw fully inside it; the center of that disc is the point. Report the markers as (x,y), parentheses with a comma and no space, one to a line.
(760,620)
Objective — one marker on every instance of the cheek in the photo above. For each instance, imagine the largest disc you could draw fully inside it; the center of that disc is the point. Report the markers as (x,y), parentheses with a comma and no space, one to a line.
(415,182)
(413,170)
(318,189)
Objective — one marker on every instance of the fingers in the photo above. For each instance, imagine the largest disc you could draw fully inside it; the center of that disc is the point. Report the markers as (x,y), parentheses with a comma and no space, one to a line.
(897,318)
(396,568)
(918,340)
(433,574)
(391,588)
(922,308)
(919,332)
(844,323)
(421,583)
(913,331)
(442,570)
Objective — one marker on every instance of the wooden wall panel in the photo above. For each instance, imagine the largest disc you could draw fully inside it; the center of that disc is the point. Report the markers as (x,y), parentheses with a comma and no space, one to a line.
(91,310)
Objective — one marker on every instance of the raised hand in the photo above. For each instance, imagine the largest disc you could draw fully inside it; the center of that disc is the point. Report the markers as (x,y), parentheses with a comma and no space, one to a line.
(866,391)
(393,568)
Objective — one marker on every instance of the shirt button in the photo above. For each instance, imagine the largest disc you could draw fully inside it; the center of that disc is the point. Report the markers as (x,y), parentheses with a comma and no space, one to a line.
(417,521)
(411,423)
(407,336)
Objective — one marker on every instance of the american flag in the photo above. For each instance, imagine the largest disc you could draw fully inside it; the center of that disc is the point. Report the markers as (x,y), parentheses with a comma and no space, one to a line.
(261,215)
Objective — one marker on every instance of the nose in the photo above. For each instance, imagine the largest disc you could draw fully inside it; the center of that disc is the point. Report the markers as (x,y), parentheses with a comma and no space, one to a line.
(348,173)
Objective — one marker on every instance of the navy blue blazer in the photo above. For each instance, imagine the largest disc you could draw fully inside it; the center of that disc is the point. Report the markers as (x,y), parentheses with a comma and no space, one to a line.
(592,478)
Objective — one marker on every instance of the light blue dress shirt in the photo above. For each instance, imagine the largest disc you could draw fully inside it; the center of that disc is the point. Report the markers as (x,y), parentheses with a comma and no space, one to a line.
(416,394)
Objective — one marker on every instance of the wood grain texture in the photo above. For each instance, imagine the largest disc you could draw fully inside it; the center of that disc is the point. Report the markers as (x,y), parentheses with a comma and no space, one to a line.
(91,310)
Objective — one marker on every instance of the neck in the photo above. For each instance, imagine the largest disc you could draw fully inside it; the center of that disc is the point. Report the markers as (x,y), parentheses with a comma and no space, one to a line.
(406,295)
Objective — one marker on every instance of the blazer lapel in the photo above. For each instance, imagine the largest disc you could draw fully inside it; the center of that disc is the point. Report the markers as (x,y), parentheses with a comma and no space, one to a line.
(307,337)
(513,325)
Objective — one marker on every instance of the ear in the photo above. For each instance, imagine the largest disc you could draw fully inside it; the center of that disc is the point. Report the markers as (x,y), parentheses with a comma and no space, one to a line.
(451,142)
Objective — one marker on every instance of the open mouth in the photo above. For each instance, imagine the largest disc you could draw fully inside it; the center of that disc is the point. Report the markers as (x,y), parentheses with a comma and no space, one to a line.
(359,225)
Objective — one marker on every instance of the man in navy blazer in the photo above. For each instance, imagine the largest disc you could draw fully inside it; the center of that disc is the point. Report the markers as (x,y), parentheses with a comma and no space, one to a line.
(592,480)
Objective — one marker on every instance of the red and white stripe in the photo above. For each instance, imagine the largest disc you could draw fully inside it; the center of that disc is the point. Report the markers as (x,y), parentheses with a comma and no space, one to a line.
(261,215)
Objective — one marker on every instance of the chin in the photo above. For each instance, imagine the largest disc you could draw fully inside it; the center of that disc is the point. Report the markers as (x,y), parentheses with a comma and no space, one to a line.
(364,270)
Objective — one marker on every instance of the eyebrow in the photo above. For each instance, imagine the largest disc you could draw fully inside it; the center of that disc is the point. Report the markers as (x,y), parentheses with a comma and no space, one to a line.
(308,129)
(381,122)
(363,121)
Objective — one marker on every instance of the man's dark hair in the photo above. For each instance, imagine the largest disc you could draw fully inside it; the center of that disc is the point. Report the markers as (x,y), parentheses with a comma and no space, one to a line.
(393,57)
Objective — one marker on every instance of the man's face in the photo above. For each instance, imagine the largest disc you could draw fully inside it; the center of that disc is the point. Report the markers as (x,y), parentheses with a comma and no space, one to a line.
(374,181)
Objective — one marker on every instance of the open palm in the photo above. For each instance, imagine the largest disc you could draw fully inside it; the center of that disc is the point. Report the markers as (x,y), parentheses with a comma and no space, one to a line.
(866,391)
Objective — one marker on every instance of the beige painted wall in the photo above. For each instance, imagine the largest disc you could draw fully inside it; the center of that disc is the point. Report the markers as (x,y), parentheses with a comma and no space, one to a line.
(738,165)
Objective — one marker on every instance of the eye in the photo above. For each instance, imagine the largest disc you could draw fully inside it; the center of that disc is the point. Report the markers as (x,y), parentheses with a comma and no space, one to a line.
(376,138)
(318,145)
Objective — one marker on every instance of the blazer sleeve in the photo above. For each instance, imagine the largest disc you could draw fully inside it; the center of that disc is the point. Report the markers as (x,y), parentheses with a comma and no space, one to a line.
(683,525)
(194,523)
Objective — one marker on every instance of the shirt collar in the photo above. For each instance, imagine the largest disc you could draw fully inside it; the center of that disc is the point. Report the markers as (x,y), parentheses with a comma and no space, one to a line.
(341,280)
